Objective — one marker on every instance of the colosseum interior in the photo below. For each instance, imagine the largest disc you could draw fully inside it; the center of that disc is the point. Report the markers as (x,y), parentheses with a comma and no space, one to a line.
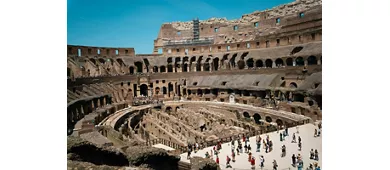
(206,81)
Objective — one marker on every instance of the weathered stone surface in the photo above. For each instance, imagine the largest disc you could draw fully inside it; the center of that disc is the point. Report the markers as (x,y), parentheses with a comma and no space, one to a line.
(84,151)
(151,157)
(198,163)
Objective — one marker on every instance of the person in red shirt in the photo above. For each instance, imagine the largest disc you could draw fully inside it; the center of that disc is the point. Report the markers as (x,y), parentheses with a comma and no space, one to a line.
(253,162)
(217,160)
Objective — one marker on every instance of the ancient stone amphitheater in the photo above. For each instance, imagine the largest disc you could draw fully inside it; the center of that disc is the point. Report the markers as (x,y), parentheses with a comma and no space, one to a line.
(206,81)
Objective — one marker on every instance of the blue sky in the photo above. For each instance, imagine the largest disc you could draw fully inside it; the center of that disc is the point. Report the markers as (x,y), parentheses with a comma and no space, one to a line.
(136,23)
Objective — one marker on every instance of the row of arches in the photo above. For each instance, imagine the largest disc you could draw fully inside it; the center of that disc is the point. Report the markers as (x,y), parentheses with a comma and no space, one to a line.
(257,118)
(216,64)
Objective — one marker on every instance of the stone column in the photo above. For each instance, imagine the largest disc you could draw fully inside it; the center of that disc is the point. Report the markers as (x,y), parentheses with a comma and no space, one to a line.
(273,64)
(101,101)
(201,67)
(294,63)
(318,62)
(305,62)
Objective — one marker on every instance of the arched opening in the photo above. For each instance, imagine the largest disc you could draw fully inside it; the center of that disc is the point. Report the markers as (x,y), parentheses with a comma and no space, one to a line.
(249,63)
(257,118)
(144,90)
(162,69)
(216,63)
(199,92)
(168,109)
(214,91)
(312,60)
(139,66)
(206,66)
(199,64)
(131,68)
(177,108)
(155,69)
(299,98)
(259,63)
(164,90)
(268,119)
(246,115)
(170,68)
(268,63)
(169,60)
(157,90)
(299,61)
(170,89)
(93,61)
(233,60)
(293,85)
(241,64)
(102,61)
(296,50)
(120,61)
(279,122)
(207,91)
(289,62)
(279,62)
(185,67)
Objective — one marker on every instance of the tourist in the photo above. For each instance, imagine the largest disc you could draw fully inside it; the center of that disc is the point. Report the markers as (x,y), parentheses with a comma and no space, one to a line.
(300,146)
(283,151)
(228,162)
(298,129)
(262,160)
(249,156)
(249,148)
(233,148)
(311,154)
(264,144)
(207,155)
(266,148)
(217,160)
(238,151)
(188,153)
(246,148)
(234,156)
(243,138)
(286,131)
(316,155)
(275,165)
(299,139)
(293,158)
(300,164)
(319,133)
(315,132)
(293,140)
(281,136)
(253,162)
(310,167)
(270,146)
(258,145)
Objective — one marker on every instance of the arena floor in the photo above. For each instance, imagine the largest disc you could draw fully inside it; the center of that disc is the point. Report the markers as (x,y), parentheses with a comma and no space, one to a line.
(306,132)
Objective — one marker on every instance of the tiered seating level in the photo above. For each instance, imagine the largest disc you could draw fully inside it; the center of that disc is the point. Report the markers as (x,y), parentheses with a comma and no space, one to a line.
(97,100)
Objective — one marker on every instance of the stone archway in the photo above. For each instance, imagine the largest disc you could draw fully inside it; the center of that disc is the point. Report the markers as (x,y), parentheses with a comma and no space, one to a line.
(246,115)
(249,63)
(279,122)
(268,63)
(216,63)
(241,64)
(312,60)
(257,118)
(259,64)
(139,66)
(289,62)
(144,89)
(268,119)
(299,61)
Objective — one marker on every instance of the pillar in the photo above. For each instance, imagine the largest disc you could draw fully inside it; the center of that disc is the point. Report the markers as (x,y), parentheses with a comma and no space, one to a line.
(318,62)
(201,67)
(305,61)
(273,64)
(294,63)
